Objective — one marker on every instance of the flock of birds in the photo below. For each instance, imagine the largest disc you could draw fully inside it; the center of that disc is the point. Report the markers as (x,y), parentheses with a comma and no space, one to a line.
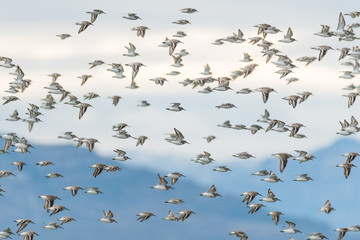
(21,145)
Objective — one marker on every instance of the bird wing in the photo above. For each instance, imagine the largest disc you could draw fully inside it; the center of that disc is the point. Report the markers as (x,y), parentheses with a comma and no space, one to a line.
(341,23)
(212,189)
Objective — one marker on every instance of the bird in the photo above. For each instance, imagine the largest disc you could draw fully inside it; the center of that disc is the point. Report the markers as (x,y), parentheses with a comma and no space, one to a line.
(288,37)
(304,96)
(4,234)
(143,103)
(292,100)
(325,31)
(265,91)
(344,52)
(244,91)
(52,225)
(303,178)
(53,175)
(144,216)
(206,70)
(218,42)
(175,201)
(211,193)
(93,191)
(306,59)
(203,158)
(353,14)
(115,100)
(235,38)
(83,107)
(49,201)
(63,36)
(176,138)
(290,229)
(185,214)
(340,32)
(14,116)
(254,207)
(172,45)
(243,155)
(7,62)
(295,128)
(221,169)
(84,78)
(226,106)
(119,126)
(65,219)
(316,236)
(209,138)
(108,217)
(347,168)
(188,10)
(175,107)
(275,215)
(135,68)
(270,197)
(272,178)
(98,168)
(90,96)
(67,135)
(291,80)
(342,232)
(56,209)
(159,81)
(323,50)
(131,51)
(9,99)
(182,53)
(246,58)
(249,196)
(327,208)
(44,163)
(170,217)
(181,22)
(22,223)
(351,98)
(6,174)
(174,177)
(73,189)
(83,25)
(180,34)
(94,14)
(283,157)
(238,233)
(140,31)
(121,155)
(261,173)
(350,156)
(96,63)
(254,128)
(355,228)
(28,235)
(132,16)
(140,140)
(162,185)
(19,164)
(350,127)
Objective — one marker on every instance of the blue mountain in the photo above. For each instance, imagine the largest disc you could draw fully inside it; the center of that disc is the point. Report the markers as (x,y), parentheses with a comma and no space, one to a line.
(129,192)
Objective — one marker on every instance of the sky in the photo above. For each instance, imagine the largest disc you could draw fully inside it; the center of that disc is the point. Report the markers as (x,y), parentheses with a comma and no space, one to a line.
(29,38)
